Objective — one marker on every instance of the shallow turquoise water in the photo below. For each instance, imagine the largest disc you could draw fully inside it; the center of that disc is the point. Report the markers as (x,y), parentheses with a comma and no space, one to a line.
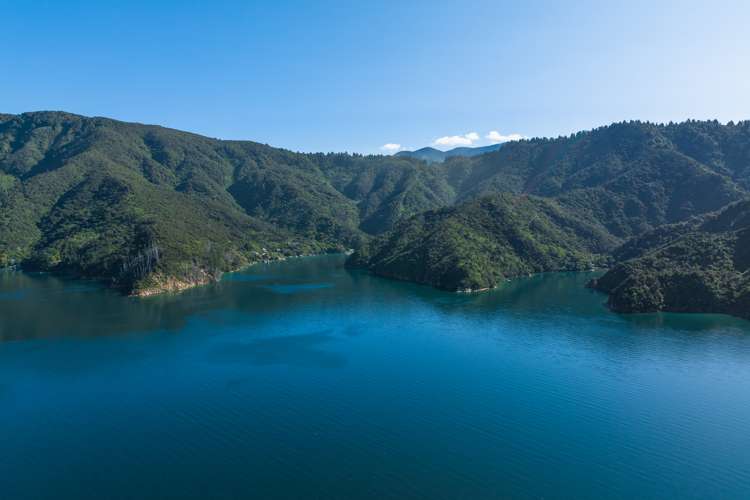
(302,379)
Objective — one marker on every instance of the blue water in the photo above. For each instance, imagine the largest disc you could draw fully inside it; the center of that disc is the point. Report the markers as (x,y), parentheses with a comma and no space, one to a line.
(305,380)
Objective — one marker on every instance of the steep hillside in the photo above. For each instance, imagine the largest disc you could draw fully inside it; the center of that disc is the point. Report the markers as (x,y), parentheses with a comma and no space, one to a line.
(385,189)
(631,176)
(697,266)
(150,208)
(624,181)
(94,196)
(476,245)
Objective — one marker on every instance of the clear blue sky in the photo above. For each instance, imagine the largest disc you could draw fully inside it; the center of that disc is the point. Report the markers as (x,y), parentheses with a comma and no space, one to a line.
(350,75)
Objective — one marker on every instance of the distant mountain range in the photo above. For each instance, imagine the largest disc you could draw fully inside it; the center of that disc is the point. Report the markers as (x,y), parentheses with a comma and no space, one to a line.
(432,155)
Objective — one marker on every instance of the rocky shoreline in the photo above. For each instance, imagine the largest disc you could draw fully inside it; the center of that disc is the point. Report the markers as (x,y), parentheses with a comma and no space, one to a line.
(160,283)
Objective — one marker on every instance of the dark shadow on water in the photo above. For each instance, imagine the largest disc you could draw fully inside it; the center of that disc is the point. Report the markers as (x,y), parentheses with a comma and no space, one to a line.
(354,330)
(302,287)
(293,350)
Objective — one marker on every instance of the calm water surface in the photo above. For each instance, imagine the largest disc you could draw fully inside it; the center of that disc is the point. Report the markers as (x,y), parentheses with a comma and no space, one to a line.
(302,379)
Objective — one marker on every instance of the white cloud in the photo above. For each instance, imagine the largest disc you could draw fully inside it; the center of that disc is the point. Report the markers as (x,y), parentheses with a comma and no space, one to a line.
(457,140)
(391,147)
(496,137)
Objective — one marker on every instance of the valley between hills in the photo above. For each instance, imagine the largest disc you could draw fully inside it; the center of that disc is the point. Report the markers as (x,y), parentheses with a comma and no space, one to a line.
(148,209)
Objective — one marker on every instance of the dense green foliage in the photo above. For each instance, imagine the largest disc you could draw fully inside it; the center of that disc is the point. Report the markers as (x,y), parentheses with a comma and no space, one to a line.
(136,204)
(479,243)
(623,180)
(698,266)
(630,176)
(103,198)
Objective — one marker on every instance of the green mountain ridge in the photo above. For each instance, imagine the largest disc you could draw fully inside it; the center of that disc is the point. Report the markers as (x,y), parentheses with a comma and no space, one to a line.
(88,195)
(697,266)
(151,209)
(476,245)
(624,180)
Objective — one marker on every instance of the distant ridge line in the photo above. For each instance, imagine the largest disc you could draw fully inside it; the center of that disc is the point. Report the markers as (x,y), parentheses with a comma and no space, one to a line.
(432,155)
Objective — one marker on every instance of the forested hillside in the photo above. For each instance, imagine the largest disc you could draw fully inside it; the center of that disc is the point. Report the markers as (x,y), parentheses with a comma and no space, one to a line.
(624,180)
(698,266)
(150,208)
(142,205)
(476,245)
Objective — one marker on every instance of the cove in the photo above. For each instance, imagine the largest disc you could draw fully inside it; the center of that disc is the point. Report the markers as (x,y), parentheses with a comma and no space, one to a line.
(303,379)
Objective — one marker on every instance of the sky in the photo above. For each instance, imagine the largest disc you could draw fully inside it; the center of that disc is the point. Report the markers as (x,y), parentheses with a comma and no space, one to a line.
(375,77)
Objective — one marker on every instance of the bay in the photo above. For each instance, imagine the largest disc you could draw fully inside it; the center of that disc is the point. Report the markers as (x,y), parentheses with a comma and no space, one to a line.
(303,379)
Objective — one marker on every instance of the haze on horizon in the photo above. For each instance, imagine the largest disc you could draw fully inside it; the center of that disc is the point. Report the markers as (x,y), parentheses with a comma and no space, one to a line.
(335,76)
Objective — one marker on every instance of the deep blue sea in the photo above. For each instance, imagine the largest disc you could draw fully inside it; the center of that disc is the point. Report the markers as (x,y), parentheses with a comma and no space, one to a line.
(302,379)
